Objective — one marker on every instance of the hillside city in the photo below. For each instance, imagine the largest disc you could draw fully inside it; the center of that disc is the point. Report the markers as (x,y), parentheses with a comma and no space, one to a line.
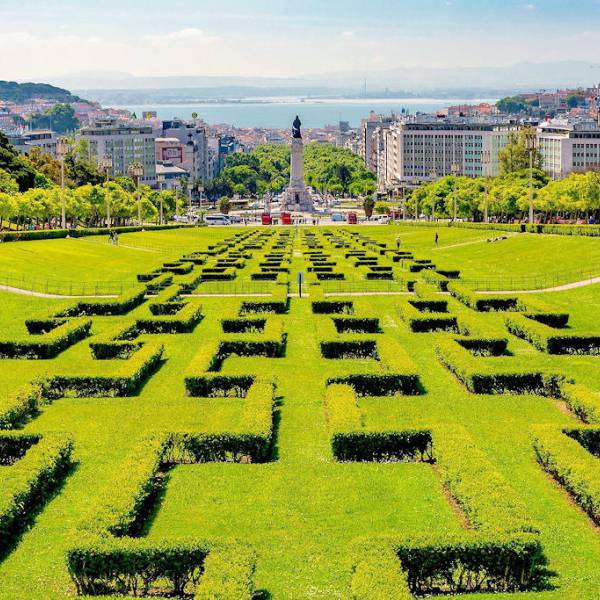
(402,150)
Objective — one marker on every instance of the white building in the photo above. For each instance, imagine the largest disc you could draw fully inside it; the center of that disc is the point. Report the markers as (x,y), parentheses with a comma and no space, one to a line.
(366,147)
(425,147)
(569,146)
(41,138)
(126,144)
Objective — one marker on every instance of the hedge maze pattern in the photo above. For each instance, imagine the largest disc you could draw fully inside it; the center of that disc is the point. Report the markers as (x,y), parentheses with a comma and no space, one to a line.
(499,548)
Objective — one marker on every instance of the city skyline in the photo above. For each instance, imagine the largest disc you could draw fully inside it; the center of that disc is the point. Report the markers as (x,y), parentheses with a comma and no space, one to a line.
(282,38)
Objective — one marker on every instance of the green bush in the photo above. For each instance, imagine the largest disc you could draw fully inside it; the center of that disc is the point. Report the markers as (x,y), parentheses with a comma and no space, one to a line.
(482,378)
(185,321)
(483,303)
(47,345)
(106,307)
(41,464)
(126,381)
(19,406)
(550,340)
(377,575)
(420,321)
(585,403)
(571,465)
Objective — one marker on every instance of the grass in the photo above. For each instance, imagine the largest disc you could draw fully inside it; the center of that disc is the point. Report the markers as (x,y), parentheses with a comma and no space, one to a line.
(302,510)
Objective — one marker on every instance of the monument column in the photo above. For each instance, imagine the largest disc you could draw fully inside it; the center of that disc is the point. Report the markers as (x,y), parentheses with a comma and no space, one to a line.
(297,196)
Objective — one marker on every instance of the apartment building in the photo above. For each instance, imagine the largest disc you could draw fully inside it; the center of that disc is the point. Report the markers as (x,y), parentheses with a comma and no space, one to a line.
(426,147)
(569,146)
(126,144)
(195,152)
(40,138)
(368,147)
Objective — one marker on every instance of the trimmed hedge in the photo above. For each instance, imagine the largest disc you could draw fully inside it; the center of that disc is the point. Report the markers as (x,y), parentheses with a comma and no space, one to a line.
(48,345)
(480,563)
(572,465)
(18,407)
(126,381)
(483,302)
(550,340)
(106,307)
(480,377)
(332,307)
(377,574)
(585,403)
(420,321)
(185,321)
(278,303)
(51,234)
(41,464)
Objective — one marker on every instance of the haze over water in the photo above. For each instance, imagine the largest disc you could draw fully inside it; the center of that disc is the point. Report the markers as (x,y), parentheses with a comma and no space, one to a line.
(279,113)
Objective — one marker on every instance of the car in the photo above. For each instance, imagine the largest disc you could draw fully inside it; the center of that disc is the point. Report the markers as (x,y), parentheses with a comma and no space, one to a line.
(217,219)
(337,217)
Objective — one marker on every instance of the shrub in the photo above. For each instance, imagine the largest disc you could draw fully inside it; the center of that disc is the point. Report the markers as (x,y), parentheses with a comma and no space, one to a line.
(496,563)
(547,339)
(48,345)
(129,377)
(356,325)
(482,378)
(184,321)
(571,465)
(42,463)
(483,303)
(426,322)
(349,349)
(330,307)
(585,403)
(377,575)
(17,407)
(105,307)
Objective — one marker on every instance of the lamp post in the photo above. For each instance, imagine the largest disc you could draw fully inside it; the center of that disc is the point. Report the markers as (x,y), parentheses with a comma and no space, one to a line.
(106,164)
(486,161)
(531,147)
(135,171)
(62,148)
(433,179)
(455,169)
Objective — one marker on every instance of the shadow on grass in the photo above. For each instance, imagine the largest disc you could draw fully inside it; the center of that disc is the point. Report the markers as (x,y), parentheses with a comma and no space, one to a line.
(12,535)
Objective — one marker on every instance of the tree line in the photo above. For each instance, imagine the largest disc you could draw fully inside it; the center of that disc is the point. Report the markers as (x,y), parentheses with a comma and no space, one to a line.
(267,169)
(506,196)
(30,192)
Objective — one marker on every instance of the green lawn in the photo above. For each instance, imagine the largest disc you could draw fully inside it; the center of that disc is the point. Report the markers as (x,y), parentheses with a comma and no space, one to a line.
(301,511)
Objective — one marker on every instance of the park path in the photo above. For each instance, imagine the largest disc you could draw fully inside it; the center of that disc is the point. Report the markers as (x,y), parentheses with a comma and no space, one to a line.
(557,288)
(15,290)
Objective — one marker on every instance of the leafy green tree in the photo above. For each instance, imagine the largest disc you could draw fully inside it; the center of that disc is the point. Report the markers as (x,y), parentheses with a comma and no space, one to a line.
(60,118)
(515,156)
(11,162)
(224,205)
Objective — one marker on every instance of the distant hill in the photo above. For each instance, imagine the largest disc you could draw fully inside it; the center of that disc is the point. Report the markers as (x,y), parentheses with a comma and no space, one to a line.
(12,91)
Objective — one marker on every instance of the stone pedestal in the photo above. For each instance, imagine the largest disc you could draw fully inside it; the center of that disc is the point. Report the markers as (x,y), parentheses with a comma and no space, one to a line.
(296,196)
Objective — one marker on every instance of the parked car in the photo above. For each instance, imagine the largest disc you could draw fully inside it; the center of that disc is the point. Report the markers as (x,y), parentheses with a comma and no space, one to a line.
(337,217)
(217,219)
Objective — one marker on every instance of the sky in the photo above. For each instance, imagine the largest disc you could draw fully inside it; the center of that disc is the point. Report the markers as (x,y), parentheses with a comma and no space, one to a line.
(283,38)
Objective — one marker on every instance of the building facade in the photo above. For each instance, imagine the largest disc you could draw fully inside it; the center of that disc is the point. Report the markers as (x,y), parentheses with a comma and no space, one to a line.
(126,144)
(569,146)
(195,155)
(424,148)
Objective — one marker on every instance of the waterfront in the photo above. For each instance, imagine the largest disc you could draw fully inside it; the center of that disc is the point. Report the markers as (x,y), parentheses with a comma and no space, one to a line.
(314,113)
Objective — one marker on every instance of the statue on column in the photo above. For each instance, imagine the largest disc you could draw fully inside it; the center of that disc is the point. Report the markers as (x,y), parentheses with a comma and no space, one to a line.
(296,133)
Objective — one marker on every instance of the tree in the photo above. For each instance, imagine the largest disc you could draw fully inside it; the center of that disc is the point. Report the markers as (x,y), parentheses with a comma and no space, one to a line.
(368,206)
(515,156)
(513,104)
(60,118)
(224,205)
(8,185)
(15,165)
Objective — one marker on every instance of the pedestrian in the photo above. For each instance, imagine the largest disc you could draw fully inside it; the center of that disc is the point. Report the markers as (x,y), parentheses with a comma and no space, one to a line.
(437,238)
(116,239)
(398,242)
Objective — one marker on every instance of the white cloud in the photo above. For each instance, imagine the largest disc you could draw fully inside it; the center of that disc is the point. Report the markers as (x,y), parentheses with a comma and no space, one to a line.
(347,34)
(188,34)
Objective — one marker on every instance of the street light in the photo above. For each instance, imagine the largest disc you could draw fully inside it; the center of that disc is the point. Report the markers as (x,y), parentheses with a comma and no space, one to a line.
(486,161)
(135,171)
(62,149)
(531,144)
(455,170)
(106,165)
